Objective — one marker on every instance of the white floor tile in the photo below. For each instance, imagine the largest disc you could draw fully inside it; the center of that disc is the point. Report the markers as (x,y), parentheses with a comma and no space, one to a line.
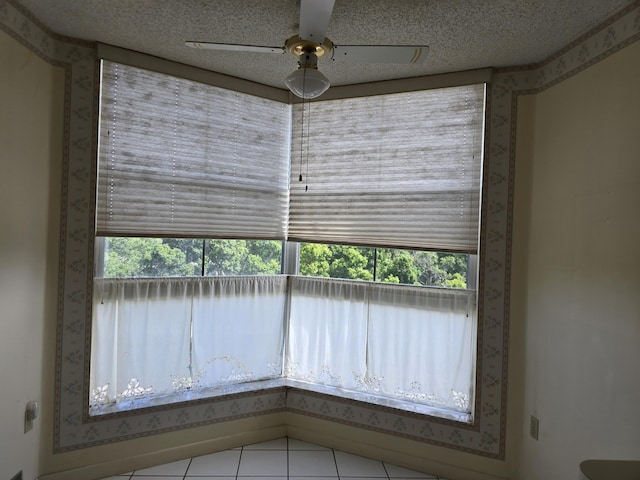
(295,444)
(260,478)
(279,459)
(314,478)
(312,464)
(263,463)
(122,476)
(399,472)
(210,477)
(361,478)
(156,477)
(216,464)
(355,466)
(178,468)
(278,444)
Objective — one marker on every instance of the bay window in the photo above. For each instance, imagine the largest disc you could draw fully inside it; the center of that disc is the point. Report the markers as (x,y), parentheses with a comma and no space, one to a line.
(221,219)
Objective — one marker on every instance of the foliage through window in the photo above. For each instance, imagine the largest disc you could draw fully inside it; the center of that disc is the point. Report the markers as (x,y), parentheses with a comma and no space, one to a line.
(133,257)
(387,265)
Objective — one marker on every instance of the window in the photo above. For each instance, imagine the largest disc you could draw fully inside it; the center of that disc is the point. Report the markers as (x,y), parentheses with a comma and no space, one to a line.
(375,201)
(388,265)
(134,257)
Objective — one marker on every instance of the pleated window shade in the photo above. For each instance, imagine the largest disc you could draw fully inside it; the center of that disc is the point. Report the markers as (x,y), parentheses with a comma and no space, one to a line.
(179,158)
(399,170)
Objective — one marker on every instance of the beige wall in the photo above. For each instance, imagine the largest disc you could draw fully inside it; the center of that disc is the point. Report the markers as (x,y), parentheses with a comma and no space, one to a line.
(577,225)
(31,114)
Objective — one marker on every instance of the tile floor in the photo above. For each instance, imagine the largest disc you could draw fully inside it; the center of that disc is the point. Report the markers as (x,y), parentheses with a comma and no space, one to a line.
(281,459)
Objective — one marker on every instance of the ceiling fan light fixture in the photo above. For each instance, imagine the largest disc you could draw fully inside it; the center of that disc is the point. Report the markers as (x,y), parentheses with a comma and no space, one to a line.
(307,83)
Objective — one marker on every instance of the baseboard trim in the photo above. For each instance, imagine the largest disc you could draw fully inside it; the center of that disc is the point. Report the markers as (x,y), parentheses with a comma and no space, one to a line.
(404,453)
(137,462)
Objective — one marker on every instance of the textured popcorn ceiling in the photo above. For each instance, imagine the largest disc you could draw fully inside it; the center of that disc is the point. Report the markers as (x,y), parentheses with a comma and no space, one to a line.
(462,34)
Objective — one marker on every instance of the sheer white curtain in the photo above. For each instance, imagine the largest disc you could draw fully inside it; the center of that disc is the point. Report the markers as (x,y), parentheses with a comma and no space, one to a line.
(238,329)
(421,345)
(157,336)
(327,341)
(408,343)
(140,337)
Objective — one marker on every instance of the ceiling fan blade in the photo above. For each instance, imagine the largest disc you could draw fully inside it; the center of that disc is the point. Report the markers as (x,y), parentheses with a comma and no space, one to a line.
(314,19)
(399,54)
(233,47)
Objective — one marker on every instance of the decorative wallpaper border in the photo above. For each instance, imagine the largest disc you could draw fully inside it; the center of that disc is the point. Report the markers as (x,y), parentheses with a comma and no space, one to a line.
(78,60)
(74,429)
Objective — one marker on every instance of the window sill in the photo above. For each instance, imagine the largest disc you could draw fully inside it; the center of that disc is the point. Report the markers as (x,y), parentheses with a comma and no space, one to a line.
(209,394)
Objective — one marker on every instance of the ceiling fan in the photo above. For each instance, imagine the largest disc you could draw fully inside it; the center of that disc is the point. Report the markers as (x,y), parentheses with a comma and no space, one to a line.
(310,44)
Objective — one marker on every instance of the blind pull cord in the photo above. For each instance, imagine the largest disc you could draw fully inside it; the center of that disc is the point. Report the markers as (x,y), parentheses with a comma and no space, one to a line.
(306,186)
(304,153)
(304,78)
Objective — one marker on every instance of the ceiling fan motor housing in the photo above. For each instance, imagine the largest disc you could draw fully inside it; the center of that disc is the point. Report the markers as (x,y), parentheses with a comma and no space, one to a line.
(298,47)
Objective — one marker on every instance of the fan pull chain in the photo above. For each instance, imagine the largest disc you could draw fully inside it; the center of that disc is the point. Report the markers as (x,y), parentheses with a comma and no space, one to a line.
(304,153)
